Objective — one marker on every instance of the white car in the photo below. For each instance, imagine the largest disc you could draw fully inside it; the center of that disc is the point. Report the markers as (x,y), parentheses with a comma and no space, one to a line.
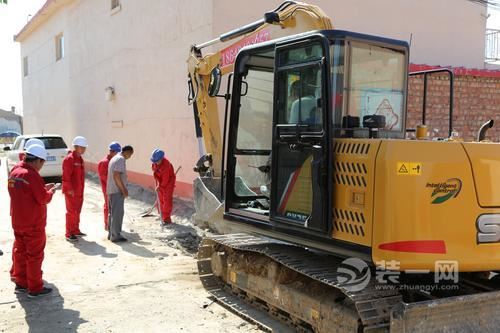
(56,152)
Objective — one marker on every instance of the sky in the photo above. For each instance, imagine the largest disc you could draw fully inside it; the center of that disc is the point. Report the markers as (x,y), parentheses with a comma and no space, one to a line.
(14,16)
(493,21)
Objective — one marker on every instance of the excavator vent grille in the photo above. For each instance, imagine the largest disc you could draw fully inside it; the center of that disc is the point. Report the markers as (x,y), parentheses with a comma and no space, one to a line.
(357,148)
(350,173)
(353,175)
(349,221)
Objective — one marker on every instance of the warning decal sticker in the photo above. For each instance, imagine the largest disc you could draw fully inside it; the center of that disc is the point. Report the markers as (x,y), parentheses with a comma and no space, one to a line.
(409,168)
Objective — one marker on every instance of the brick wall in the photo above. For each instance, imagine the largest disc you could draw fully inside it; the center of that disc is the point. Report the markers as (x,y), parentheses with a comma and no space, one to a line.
(476,100)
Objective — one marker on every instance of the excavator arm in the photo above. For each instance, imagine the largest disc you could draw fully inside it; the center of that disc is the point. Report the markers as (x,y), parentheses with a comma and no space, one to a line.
(287,19)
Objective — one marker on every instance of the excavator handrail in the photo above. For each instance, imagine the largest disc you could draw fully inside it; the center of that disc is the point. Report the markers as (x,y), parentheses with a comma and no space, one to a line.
(425,73)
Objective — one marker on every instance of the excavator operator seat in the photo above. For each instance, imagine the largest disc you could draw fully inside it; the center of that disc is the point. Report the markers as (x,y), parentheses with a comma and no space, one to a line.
(305,94)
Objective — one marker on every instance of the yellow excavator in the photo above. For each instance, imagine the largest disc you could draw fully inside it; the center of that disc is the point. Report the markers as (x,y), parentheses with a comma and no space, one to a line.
(332,218)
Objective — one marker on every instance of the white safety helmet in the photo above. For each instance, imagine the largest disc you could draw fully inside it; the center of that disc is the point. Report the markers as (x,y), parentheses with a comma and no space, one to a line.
(38,151)
(33,141)
(80,141)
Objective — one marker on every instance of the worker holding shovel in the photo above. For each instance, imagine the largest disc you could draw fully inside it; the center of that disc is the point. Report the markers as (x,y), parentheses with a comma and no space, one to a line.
(164,175)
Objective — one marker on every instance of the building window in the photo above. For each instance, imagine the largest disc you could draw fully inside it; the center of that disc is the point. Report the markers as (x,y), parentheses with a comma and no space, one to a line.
(59,47)
(115,4)
(25,66)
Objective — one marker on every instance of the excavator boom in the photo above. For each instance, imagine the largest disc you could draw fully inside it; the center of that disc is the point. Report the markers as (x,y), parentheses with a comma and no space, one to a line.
(287,19)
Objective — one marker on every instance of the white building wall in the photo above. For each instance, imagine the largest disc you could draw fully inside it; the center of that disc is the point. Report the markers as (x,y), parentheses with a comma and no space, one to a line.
(46,87)
(141,51)
(444,32)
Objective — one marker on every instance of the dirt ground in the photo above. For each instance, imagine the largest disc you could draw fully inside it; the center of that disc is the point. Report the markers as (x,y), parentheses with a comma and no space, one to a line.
(148,284)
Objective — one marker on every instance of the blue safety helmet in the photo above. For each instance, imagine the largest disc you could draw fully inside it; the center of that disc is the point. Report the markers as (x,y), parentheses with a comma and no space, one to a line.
(157,155)
(115,146)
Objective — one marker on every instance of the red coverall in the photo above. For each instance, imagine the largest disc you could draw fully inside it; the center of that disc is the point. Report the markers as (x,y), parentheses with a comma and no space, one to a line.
(102,169)
(73,179)
(165,180)
(28,208)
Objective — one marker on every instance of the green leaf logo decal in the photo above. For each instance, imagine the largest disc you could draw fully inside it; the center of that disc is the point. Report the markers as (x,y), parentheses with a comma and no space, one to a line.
(444,191)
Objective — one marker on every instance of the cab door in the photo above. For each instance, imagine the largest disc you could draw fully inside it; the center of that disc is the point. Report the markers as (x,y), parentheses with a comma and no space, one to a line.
(299,156)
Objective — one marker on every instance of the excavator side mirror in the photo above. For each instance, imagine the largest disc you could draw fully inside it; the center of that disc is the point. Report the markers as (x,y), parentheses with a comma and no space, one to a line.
(215,80)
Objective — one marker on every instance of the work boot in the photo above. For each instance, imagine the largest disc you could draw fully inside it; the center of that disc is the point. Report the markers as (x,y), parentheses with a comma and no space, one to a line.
(72,238)
(119,240)
(80,234)
(166,222)
(40,293)
(20,289)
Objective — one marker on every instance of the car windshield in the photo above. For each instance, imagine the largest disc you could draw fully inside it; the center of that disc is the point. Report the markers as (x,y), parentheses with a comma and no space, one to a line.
(53,142)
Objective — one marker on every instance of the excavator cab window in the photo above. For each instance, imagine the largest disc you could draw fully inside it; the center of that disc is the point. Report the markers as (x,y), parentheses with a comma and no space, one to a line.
(370,92)
(300,87)
(253,141)
(253,131)
(303,101)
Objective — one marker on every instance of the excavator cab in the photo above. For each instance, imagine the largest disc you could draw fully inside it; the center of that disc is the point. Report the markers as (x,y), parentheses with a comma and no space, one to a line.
(292,98)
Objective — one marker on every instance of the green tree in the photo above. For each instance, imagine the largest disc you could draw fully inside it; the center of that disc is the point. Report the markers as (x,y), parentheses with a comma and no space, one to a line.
(3,1)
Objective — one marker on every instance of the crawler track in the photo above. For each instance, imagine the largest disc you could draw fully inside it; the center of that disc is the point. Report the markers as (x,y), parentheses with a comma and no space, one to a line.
(301,288)
(372,304)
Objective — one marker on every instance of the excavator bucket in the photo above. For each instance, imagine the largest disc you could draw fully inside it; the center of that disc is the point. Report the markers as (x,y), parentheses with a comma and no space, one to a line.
(468,313)
(209,206)
(207,199)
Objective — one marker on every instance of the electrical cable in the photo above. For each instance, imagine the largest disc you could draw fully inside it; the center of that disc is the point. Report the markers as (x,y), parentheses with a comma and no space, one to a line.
(495,4)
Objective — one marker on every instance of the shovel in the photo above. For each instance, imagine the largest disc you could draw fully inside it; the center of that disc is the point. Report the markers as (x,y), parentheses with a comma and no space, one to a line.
(149,211)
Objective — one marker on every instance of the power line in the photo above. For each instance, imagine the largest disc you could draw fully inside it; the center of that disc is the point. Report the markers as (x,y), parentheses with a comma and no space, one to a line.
(492,3)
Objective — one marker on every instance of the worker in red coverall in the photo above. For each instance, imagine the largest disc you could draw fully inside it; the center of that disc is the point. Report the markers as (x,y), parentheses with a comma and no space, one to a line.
(163,173)
(28,143)
(28,208)
(102,169)
(22,155)
(73,182)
